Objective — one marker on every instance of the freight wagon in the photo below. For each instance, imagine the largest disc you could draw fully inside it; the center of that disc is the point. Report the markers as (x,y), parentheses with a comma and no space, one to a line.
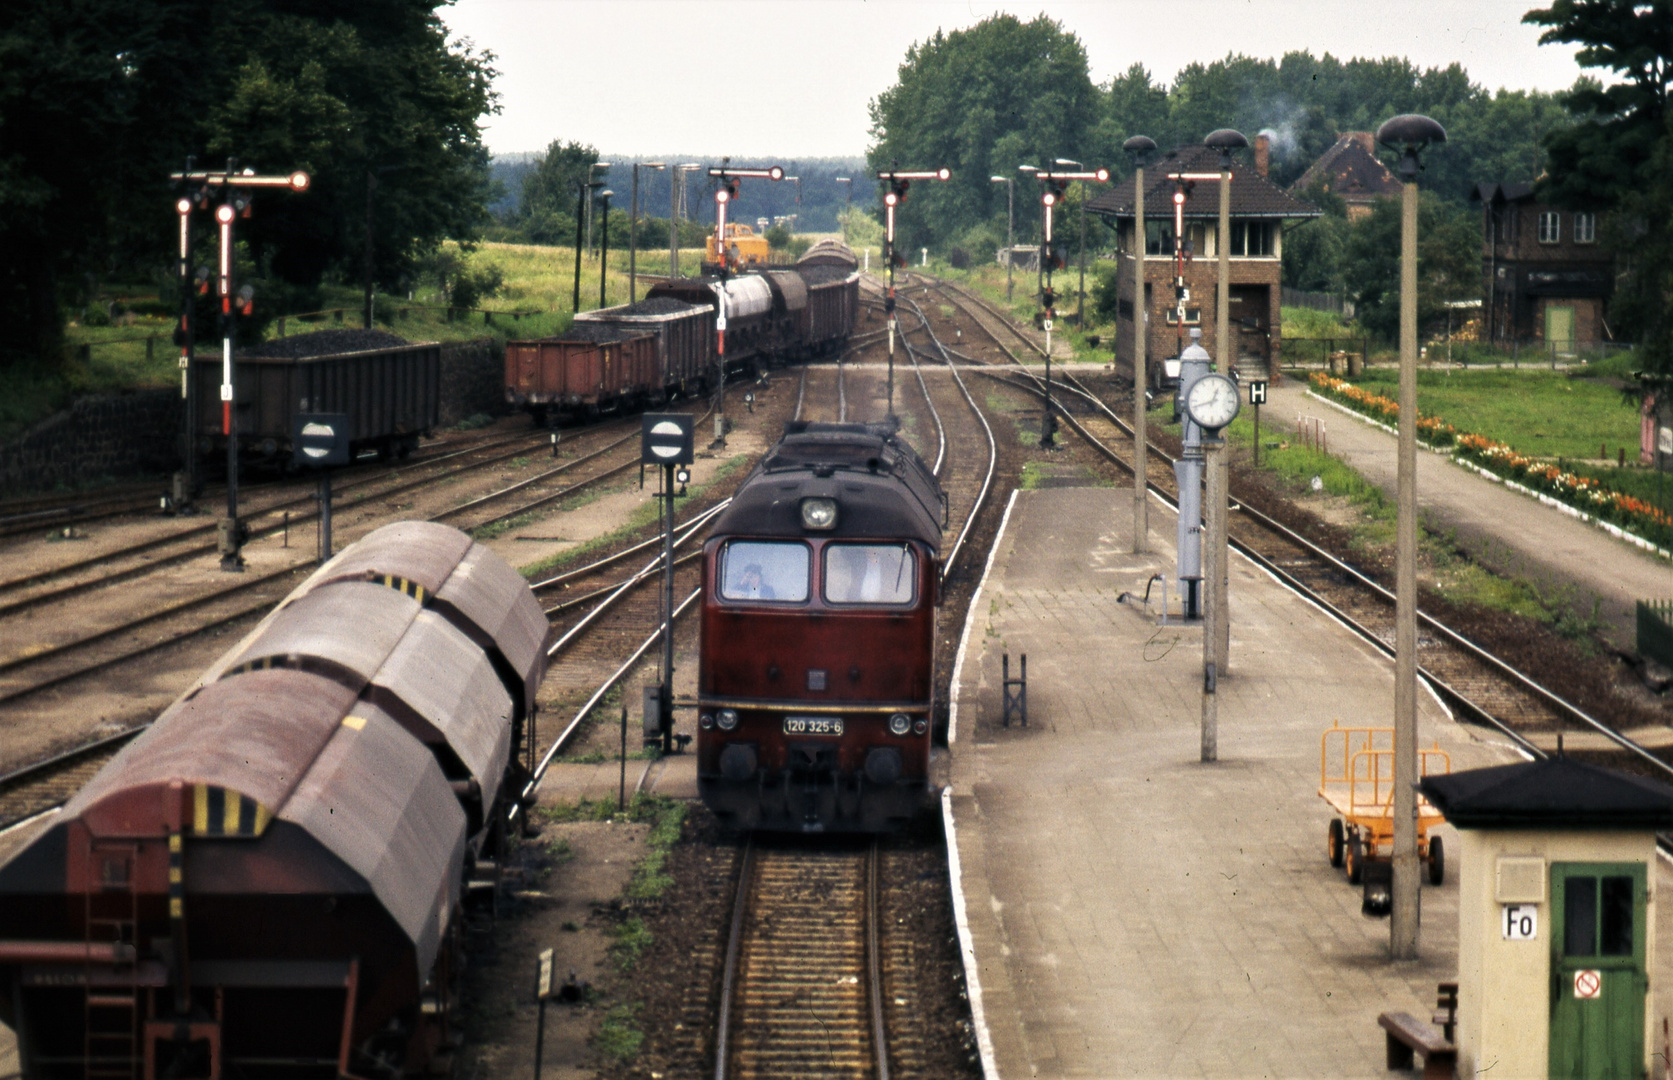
(268,882)
(685,337)
(592,368)
(391,394)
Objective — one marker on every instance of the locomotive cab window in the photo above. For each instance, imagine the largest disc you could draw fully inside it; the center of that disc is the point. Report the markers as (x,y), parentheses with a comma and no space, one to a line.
(870,573)
(775,570)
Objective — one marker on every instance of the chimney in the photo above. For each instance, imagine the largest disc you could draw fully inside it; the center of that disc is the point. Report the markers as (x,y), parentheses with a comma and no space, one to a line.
(1263,153)
(1366,141)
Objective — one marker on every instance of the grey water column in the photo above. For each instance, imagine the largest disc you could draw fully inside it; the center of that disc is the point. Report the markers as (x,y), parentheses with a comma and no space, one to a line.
(1140,147)
(1188,474)
(1410,134)
(1224,140)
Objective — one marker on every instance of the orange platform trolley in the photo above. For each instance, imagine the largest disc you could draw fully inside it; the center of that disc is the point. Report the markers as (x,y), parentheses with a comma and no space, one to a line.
(1356,777)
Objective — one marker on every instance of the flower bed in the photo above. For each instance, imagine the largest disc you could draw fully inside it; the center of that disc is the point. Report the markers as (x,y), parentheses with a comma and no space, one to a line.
(1581,492)
(1430,429)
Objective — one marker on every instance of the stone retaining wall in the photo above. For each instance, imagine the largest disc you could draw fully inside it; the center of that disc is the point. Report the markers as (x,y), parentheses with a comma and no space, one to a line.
(115,436)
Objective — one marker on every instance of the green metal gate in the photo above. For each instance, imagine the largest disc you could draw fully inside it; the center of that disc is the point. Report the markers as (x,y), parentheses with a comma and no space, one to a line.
(1598,981)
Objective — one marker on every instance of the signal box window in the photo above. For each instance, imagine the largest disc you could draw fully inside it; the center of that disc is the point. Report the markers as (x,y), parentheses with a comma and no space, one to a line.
(870,573)
(753,570)
(1585,228)
(1251,238)
(1550,227)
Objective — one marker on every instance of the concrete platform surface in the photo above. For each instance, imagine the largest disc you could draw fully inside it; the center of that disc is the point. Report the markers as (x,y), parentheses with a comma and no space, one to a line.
(1133,911)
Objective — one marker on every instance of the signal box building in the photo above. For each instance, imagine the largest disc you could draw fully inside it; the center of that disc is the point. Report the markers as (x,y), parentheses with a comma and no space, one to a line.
(1351,171)
(1546,276)
(1259,211)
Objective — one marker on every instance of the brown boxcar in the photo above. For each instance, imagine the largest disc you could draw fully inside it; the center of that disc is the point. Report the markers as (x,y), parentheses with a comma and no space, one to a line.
(268,881)
(589,369)
(391,395)
(685,337)
(816,675)
(833,303)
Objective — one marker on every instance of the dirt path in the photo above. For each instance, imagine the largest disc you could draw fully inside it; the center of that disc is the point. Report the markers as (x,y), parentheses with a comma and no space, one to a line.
(1572,561)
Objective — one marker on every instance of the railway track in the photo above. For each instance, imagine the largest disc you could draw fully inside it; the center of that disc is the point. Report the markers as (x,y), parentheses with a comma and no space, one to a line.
(1475,683)
(802,989)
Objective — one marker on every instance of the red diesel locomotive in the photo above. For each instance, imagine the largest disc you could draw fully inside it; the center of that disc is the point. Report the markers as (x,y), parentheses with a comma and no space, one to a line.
(817,669)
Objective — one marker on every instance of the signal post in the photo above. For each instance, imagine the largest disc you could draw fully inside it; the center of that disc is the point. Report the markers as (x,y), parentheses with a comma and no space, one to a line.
(237,190)
(1056,183)
(726,191)
(899,182)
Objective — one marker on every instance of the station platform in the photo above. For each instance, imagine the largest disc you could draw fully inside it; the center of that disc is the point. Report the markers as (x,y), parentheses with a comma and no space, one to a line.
(1131,910)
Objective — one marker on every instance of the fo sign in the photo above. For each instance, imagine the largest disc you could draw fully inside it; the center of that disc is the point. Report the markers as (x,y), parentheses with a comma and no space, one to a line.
(1521,922)
(666,439)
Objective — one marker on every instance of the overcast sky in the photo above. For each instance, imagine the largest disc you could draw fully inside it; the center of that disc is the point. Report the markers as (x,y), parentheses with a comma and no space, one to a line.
(791,78)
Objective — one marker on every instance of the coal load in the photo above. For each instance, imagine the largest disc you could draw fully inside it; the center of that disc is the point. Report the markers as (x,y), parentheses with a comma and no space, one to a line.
(324,343)
(656,305)
(823,273)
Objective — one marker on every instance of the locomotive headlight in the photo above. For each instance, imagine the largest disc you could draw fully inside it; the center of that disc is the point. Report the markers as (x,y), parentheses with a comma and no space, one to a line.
(706,721)
(727,719)
(819,513)
(900,723)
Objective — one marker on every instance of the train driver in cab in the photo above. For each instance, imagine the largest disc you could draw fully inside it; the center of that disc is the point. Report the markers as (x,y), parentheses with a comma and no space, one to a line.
(869,574)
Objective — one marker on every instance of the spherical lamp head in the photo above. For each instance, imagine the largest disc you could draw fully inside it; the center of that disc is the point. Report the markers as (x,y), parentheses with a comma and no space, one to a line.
(1410,133)
(1226,140)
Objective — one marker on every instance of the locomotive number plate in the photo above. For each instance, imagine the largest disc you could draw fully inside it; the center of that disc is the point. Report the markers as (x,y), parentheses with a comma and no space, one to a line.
(813,725)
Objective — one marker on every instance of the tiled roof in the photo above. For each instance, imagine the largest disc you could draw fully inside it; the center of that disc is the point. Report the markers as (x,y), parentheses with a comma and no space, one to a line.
(1253,195)
(1349,168)
(1502,193)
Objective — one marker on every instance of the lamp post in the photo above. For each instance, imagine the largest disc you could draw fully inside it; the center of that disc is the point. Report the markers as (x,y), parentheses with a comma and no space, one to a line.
(1410,134)
(849,180)
(582,210)
(604,246)
(1226,141)
(1140,147)
(899,182)
(590,168)
(633,232)
(1010,224)
(726,189)
(1080,304)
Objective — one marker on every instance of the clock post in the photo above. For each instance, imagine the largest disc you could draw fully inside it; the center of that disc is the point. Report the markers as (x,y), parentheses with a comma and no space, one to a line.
(1211,403)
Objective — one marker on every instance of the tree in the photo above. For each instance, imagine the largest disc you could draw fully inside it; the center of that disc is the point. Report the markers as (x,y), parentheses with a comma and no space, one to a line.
(101,99)
(982,101)
(546,211)
(1597,161)
(1448,262)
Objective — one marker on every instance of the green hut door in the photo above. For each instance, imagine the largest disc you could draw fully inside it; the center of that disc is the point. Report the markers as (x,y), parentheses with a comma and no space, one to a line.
(1598,979)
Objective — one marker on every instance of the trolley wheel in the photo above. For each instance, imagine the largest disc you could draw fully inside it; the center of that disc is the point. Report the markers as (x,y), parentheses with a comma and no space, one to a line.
(1355,860)
(1437,861)
(1335,842)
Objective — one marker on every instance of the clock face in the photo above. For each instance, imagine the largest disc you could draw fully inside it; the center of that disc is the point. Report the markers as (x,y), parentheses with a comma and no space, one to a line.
(1212,401)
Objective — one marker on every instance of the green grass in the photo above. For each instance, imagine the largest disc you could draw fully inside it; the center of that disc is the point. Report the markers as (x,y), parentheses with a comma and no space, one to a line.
(1299,322)
(618,1035)
(1540,413)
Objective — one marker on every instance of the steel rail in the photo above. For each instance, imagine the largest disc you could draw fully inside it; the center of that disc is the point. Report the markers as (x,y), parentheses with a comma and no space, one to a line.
(874,964)
(729,967)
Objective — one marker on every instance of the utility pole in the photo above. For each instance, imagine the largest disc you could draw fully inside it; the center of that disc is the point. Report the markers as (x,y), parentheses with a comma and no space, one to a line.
(236,200)
(725,191)
(1140,147)
(899,182)
(1411,134)
(1010,225)
(633,231)
(1056,183)
(1226,141)
(582,190)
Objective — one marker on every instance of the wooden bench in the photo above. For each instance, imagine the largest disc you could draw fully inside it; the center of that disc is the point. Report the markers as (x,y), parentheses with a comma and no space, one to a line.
(1407,1034)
